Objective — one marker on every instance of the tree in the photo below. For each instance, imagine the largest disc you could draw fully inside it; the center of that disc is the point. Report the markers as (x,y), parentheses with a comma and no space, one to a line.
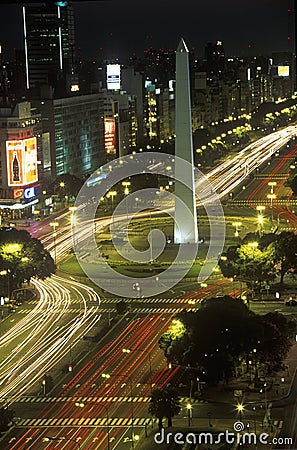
(252,264)
(255,266)
(6,416)
(223,333)
(164,403)
(275,342)
(23,257)
(285,253)
(121,307)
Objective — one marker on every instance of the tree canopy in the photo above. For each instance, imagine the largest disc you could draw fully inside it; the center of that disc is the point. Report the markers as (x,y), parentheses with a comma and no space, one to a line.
(221,334)
(21,258)
(164,403)
(257,261)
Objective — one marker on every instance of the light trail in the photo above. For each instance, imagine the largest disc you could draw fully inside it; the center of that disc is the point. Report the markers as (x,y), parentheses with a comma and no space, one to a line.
(45,344)
(42,338)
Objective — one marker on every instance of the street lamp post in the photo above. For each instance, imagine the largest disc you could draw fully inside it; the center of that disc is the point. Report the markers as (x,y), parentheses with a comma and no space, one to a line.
(72,209)
(111,194)
(126,185)
(107,376)
(271,197)
(2,304)
(189,409)
(43,382)
(272,184)
(128,350)
(240,410)
(236,225)
(54,225)
(260,210)
(265,396)
(253,245)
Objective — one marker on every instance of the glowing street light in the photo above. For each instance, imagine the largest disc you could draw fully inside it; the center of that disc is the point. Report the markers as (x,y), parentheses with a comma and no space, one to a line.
(61,438)
(271,197)
(240,410)
(260,209)
(128,350)
(126,185)
(111,194)
(236,225)
(189,409)
(272,184)
(107,376)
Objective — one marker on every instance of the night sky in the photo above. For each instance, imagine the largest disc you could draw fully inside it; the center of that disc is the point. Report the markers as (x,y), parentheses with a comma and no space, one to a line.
(117,28)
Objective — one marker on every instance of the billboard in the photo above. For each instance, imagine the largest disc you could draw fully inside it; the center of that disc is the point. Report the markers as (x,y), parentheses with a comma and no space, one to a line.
(21,157)
(283,71)
(109,135)
(113,74)
(30,160)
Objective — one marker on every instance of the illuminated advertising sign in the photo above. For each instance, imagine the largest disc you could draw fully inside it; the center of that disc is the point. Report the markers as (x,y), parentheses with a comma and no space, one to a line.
(21,156)
(30,159)
(74,88)
(18,193)
(109,135)
(113,76)
(283,71)
(29,193)
(14,155)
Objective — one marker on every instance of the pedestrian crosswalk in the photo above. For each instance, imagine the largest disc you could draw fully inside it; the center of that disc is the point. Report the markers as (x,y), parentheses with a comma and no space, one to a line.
(84,422)
(92,399)
(57,310)
(150,310)
(147,300)
(113,310)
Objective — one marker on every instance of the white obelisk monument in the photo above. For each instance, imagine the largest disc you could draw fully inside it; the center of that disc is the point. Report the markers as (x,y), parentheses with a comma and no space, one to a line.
(185,228)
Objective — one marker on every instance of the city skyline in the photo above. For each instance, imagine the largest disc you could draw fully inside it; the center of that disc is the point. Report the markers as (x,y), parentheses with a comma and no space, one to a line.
(255,29)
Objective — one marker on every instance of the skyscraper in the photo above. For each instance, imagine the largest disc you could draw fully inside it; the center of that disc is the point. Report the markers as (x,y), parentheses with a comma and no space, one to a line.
(49,44)
(185,228)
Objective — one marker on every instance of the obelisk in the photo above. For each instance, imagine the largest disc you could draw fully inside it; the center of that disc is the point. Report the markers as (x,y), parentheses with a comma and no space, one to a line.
(185,227)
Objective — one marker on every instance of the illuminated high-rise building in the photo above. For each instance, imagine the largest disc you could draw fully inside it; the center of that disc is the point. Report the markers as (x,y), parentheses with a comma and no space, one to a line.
(49,44)
(185,231)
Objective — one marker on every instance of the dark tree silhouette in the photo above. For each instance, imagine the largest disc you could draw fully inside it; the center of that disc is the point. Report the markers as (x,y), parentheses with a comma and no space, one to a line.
(164,403)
